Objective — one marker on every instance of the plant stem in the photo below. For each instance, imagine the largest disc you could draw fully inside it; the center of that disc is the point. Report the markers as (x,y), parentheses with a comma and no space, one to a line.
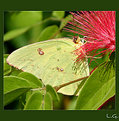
(68,83)
(62,85)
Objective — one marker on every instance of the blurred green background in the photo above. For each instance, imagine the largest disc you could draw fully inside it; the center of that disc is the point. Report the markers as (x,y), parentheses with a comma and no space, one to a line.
(25,27)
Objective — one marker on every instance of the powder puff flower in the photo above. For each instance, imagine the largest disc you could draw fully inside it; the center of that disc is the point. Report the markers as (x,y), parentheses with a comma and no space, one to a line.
(98,28)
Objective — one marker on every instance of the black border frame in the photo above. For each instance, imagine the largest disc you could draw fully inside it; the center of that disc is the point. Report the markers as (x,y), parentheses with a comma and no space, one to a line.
(50,6)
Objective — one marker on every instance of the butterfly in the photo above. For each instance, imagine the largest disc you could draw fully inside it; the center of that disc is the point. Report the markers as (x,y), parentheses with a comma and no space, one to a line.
(52,61)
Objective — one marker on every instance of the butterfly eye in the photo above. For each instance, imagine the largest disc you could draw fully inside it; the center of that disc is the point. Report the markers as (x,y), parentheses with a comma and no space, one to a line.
(76,39)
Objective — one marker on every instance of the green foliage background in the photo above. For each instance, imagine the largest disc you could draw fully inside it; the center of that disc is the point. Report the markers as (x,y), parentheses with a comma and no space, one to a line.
(26,27)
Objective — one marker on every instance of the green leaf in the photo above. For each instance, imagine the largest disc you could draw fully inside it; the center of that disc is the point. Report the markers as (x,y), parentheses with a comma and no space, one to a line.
(14,33)
(49,63)
(35,82)
(11,96)
(48,33)
(6,55)
(23,19)
(38,28)
(14,87)
(15,72)
(58,14)
(80,87)
(34,102)
(99,87)
(7,68)
(20,41)
(109,104)
(52,92)
(65,21)
(48,104)
(20,102)
(47,14)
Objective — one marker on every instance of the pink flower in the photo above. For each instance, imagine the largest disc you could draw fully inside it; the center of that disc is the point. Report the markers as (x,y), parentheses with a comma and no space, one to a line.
(99,29)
